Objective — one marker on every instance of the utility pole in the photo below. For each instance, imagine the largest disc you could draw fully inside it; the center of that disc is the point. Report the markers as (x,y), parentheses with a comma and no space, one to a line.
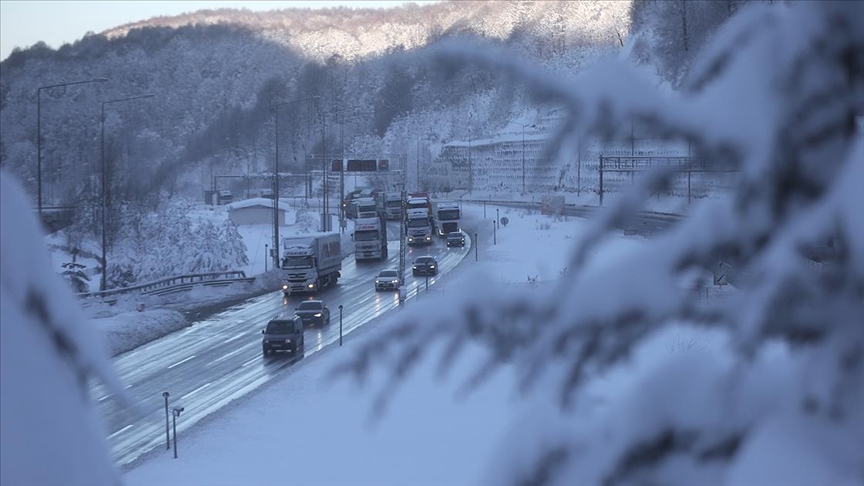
(324,168)
(39,133)
(275,107)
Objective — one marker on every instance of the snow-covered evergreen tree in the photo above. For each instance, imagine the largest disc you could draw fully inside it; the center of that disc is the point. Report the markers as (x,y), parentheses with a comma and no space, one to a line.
(48,353)
(774,96)
(235,249)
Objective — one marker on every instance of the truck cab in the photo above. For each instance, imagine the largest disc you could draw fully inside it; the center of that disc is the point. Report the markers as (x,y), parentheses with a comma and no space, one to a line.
(393,205)
(367,207)
(447,215)
(310,263)
(370,239)
(418,227)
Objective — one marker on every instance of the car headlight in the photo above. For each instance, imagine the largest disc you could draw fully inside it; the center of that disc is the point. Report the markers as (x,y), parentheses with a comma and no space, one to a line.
(285,287)
(318,315)
(431,266)
(414,267)
(311,286)
(287,341)
(394,281)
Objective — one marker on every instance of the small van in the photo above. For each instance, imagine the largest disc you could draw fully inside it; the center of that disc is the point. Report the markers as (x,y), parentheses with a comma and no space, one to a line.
(283,334)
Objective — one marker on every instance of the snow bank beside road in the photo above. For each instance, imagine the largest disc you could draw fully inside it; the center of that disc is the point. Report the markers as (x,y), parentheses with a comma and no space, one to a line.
(128,330)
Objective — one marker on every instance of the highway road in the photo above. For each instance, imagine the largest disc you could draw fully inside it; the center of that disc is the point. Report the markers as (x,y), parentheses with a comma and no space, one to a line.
(217,360)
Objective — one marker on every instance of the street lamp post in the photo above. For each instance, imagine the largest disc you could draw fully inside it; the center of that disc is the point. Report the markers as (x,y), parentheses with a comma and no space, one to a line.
(342,164)
(470,168)
(167,435)
(523,159)
(177,412)
(39,133)
(103,284)
(524,126)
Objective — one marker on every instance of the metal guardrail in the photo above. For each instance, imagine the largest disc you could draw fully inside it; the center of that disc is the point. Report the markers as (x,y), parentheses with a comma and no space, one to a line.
(179,283)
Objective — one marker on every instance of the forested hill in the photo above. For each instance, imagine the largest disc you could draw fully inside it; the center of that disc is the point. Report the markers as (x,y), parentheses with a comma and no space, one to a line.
(354,34)
(215,74)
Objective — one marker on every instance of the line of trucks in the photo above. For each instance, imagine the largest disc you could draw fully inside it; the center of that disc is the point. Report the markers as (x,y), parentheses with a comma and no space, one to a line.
(314,262)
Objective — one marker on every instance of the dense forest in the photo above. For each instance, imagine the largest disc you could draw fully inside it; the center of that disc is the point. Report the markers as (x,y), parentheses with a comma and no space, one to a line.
(219,77)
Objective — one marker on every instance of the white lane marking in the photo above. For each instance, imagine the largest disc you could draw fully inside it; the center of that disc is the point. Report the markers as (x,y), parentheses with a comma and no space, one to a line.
(181,362)
(129,386)
(235,337)
(104,398)
(195,391)
(249,362)
(226,356)
(124,429)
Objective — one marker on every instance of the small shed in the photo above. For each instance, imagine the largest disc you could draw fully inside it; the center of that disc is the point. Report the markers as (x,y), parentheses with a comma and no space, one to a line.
(259,210)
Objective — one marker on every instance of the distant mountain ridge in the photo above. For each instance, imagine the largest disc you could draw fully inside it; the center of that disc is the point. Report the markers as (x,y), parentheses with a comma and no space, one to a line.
(356,33)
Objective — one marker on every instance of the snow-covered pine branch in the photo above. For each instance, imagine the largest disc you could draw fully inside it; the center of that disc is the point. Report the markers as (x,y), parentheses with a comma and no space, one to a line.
(784,401)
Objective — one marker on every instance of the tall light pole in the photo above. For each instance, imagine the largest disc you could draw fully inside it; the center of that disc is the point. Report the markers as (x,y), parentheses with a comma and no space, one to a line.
(39,133)
(470,168)
(275,107)
(523,125)
(103,283)
(341,111)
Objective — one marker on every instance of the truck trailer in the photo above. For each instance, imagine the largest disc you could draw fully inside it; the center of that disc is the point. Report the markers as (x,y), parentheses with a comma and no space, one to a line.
(311,262)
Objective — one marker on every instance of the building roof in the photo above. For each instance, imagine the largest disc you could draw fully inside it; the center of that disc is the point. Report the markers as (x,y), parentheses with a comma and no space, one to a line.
(258,202)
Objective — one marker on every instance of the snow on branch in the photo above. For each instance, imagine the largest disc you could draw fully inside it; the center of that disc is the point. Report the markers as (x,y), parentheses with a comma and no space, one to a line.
(776,99)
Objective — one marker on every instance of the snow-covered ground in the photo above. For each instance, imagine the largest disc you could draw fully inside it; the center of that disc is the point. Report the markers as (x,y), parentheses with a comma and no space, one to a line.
(308,429)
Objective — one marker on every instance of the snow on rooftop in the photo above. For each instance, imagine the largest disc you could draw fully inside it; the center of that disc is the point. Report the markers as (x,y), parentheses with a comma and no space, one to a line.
(258,201)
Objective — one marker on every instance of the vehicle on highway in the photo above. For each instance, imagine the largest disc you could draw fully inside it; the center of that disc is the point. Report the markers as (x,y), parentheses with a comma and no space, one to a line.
(310,262)
(313,312)
(387,280)
(393,205)
(283,333)
(446,216)
(418,227)
(456,238)
(370,239)
(425,265)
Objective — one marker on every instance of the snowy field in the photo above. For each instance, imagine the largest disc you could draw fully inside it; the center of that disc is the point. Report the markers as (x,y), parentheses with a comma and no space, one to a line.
(277,435)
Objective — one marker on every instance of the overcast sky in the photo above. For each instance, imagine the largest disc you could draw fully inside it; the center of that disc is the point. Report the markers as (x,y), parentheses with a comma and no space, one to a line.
(26,22)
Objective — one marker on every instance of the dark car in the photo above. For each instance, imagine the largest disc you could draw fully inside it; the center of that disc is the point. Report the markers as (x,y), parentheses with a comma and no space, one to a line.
(313,312)
(387,280)
(425,265)
(456,238)
(283,333)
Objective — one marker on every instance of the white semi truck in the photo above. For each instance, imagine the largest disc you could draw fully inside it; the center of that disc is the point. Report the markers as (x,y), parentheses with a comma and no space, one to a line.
(370,239)
(311,262)
(447,215)
(366,207)
(393,205)
(418,227)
